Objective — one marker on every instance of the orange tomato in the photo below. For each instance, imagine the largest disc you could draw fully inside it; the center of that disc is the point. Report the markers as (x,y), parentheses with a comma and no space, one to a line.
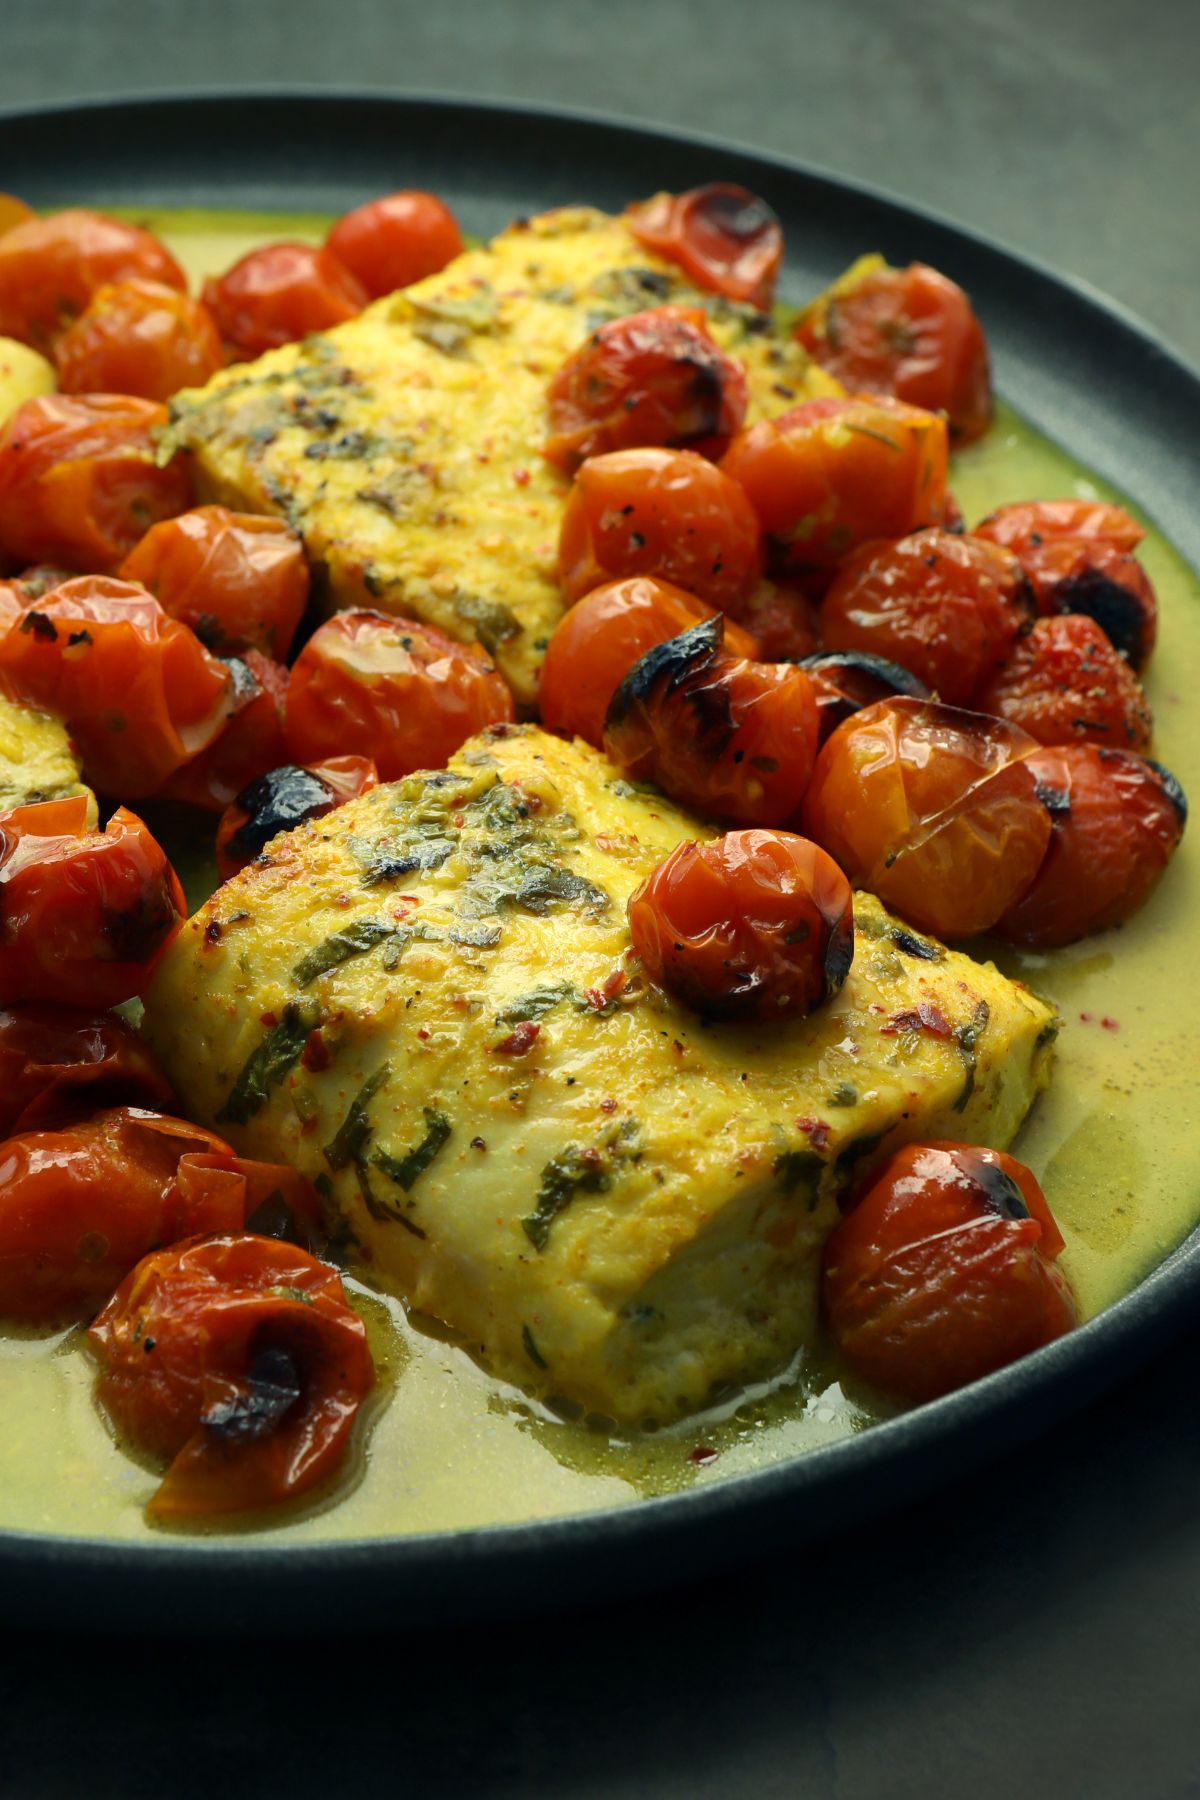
(722,236)
(50,268)
(55,1060)
(278,294)
(138,337)
(240,580)
(251,740)
(1064,683)
(391,242)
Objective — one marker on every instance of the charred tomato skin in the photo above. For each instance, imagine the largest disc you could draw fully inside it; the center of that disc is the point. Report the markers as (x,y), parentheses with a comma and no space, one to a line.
(1064,683)
(944,1271)
(724,238)
(755,926)
(847,680)
(284,798)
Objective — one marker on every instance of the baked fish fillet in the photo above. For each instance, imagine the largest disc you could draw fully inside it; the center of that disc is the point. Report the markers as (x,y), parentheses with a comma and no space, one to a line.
(37,761)
(426,1002)
(405,446)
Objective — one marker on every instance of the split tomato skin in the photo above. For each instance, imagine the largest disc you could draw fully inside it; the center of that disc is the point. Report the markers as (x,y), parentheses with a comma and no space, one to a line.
(250,743)
(599,639)
(58,1060)
(666,513)
(398,691)
(933,808)
(911,333)
(846,681)
(138,337)
(238,1359)
(724,238)
(239,580)
(1064,683)
(79,484)
(757,926)
(654,377)
(391,242)
(1117,820)
(50,269)
(84,914)
(944,1271)
(282,799)
(279,293)
(947,608)
(835,473)
(732,738)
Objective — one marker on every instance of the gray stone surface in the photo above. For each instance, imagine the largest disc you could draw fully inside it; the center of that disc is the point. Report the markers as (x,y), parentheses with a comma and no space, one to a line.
(1034,1630)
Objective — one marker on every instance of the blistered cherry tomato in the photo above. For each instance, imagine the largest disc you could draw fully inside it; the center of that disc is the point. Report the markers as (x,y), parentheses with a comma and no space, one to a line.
(650,378)
(251,741)
(1063,683)
(599,639)
(944,1271)
(758,925)
(947,608)
(138,337)
(730,737)
(56,1059)
(240,580)
(83,913)
(50,268)
(139,693)
(667,513)
(908,332)
(391,242)
(845,681)
(933,809)
(78,481)
(722,236)
(395,690)
(239,1359)
(280,293)
(834,473)
(13,212)
(284,798)
(784,621)
(1117,821)
(1076,554)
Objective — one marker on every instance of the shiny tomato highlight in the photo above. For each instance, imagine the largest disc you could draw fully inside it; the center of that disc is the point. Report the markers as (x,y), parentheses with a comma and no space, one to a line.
(57,1060)
(50,268)
(1064,683)
(391,242)
(251,741)
(138,337)
(723,237)
(280,293)
(282,799)
(240,580)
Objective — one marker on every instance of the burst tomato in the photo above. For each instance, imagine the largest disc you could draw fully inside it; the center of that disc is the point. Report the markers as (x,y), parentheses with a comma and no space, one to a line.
(947,608)
(250,743)
(933,809)
(280,293)
(944,1271)
(83,913)
(834,473)
(650,378)
(284,798)
(139,693)
(138,337)
(908,332)
(56,1060)
(758,925)
(395,690)
(845,681)
(1117,821)
(734,739)
(599,639)
(391,242)
(240,1361)
(78,481)
(240,580)
(50,268)
(667,513)
(722,236)
(784,621)
(1064,683)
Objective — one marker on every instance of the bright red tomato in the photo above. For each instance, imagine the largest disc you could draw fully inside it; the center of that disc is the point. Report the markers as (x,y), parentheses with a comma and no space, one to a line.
(652,377)
(732,738)
(240,580)
(599,639)
(58,1060)
(395,690)
(280,293)
(391,242)
(83,913)
(947,608)
(1117,821)
(240,1360)
(50,268)
(758,925)
(138,337)
(834,473)
(250,743)
(933,809)
(944,1271)
(666,513)
(722,236)
(908,332)
(139,692)
(284,798)
(1064,683)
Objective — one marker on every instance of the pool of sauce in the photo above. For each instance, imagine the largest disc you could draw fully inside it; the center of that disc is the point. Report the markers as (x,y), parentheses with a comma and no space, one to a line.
(442,1447)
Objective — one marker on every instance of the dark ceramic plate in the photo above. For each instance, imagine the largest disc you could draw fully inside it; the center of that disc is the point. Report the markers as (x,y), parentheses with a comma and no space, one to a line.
(1081,371)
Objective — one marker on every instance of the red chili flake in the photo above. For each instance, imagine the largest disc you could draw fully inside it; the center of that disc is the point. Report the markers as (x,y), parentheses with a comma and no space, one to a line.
(815,1130)
(460,820)
(520,1040)
(703,1453)
(599,998)
(422,1034)
(269,1020)
(1086,1018)
(315,1055)
(1110,1024)
(521,477)
(608,1106)
(924,1017)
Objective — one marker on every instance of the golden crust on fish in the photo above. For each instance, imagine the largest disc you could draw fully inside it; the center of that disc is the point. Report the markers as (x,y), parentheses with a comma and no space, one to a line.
(37,761)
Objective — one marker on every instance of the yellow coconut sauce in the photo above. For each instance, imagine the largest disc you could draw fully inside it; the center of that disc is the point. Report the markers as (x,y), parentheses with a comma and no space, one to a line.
(441,1446)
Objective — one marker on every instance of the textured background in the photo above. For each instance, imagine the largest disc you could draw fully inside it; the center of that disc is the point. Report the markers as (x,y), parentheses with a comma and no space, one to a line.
(1034,1629)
